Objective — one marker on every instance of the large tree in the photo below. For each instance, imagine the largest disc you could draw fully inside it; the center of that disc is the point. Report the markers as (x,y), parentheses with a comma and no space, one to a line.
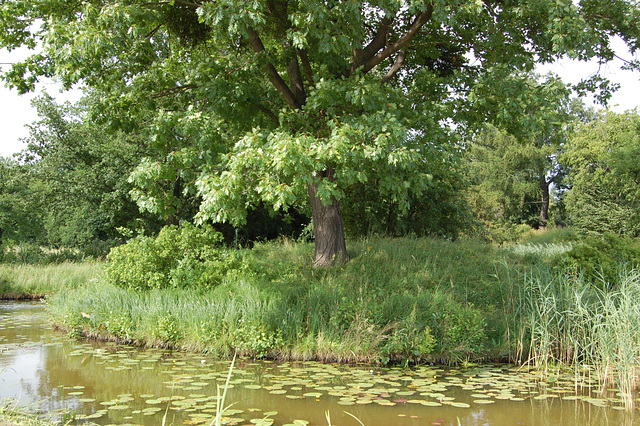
(604,175)
(305,98)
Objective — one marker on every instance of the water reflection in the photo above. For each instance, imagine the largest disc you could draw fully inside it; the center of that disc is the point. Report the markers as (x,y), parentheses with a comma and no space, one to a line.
(111,384)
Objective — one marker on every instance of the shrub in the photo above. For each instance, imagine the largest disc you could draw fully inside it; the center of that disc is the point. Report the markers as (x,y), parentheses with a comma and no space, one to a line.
(178,257)
(599,259)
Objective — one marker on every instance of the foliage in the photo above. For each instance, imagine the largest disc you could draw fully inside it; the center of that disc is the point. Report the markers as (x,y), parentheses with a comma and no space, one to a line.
(439,210)
(21,210)
(179,257)
(83,174)
(604,175)
(513,167)
(598,259)
(301,99)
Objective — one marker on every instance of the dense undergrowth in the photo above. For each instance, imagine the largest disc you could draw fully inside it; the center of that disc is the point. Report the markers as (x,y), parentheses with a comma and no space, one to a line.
(397,299)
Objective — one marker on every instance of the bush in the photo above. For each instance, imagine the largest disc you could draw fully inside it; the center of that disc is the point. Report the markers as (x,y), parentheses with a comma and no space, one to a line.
(599,259)
(178,257)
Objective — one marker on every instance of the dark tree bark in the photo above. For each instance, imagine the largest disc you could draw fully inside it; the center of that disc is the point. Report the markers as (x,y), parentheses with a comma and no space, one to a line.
(173,218)
(328,229)
(1,232)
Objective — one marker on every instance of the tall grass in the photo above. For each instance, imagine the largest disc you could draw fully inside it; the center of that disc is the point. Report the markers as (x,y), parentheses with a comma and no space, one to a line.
(17,280)
(564,319)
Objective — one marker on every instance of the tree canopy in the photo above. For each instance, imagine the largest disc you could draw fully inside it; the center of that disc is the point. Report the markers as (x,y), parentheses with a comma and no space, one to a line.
(604,178)
(278,101)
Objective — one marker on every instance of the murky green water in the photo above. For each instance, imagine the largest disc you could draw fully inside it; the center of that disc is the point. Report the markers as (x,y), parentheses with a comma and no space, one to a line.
(110,384)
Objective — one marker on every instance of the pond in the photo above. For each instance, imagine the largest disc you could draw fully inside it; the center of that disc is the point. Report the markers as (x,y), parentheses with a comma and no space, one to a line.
(112,384)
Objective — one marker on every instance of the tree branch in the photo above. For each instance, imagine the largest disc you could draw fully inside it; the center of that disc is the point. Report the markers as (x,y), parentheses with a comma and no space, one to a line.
(402,42)
(360,56)
(395,67)
(182,2)
(174,90)
(295,80)
(268,113)
(274,77)
(306,65)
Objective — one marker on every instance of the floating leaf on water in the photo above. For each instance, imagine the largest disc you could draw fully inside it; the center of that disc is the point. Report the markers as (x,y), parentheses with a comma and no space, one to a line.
(118,407)
(313,394)
(596,401)
(431,404)
(483,401)
(479,395)
(253,387)
(460,404)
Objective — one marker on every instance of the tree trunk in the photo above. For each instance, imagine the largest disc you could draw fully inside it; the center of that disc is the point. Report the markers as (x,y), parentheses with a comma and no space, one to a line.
(544,210)
(328,229)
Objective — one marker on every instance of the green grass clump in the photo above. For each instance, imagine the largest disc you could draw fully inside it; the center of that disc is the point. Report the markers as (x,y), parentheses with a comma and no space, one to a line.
(13,414)
(23,280)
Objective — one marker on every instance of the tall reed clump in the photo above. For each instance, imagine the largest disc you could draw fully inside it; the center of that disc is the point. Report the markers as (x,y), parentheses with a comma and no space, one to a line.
(563,319)
(16,280)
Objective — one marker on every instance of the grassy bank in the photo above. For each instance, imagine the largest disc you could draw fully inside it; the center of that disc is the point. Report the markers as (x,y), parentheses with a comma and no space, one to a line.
(25,281)
(396,300)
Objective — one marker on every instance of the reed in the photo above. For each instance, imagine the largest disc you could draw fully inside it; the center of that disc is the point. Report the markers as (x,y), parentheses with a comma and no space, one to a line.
(564,320)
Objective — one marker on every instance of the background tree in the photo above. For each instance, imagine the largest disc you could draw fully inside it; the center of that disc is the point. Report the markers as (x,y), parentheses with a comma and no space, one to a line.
(309,98)
(83,172)
(604,175)
(512,170)
(21,204)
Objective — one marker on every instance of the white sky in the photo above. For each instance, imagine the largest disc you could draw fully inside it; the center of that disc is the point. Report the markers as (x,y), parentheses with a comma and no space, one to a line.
(16,111)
